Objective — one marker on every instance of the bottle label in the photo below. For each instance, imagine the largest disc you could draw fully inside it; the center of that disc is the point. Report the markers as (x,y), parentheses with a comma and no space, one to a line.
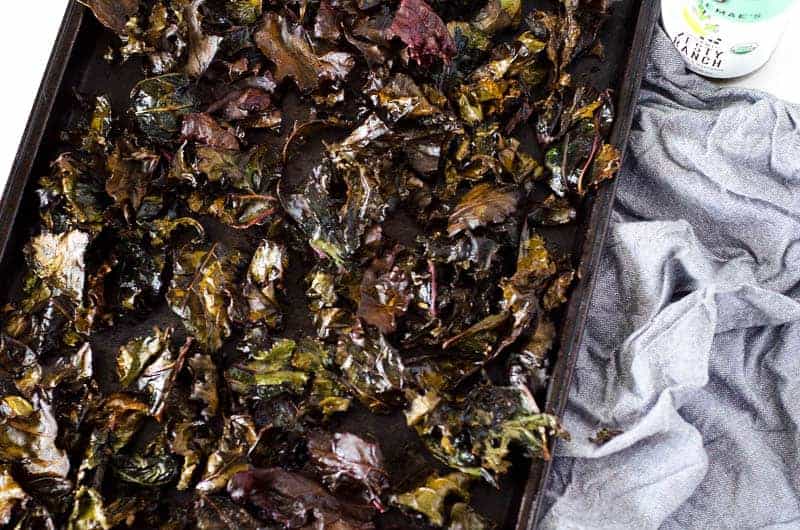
(724,38)
(743,10)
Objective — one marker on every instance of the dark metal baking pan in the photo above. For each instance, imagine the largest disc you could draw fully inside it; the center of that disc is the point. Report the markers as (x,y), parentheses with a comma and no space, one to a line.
(77,66)
(597,223)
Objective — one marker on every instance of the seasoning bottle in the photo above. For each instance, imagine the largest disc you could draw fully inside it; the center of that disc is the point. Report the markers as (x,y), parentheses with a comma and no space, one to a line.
(725,38)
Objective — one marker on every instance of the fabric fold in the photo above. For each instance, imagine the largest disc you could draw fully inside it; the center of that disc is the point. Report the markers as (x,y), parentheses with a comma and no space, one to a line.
(692,349)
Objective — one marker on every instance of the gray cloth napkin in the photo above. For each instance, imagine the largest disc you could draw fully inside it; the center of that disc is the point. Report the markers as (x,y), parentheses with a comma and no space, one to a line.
(693,342)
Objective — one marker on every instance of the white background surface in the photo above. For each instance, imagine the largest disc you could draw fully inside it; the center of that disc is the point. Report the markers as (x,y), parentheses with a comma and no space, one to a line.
(28,29)
(27,32)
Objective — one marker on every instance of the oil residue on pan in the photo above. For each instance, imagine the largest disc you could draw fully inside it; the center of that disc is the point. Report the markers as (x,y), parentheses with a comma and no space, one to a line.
(222,310)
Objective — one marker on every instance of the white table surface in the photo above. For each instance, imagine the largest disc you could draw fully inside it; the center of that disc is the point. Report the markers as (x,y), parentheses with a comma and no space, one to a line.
(781,75)
(28,29)
(27,32)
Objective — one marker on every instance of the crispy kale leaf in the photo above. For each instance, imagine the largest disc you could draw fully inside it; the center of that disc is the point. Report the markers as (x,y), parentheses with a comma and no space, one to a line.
(421,29)
(28,437)
(263,281)
(58,260)
(480,206)
(201,293)
(372,368)
(343,457)
(203,128)
(230,457)
(134,356)
(429,499)
(268,373)
(303,369)
(463,517)
(12,496)
(385,295)
(217,512)
(244,11)
(474,433)
(159,104)
(295,501)
(205,383)
(288,47)
(202,47)
(113,14)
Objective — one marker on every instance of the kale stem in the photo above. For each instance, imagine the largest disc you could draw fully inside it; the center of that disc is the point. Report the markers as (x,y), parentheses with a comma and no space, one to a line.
(432,269)
(595,146)
(198,272)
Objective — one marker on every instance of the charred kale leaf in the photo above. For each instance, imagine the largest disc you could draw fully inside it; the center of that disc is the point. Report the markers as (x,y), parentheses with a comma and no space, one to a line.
(159,103)
(201,293)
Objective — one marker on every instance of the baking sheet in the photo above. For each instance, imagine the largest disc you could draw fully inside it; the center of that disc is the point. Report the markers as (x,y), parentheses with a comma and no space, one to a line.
(77,66)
